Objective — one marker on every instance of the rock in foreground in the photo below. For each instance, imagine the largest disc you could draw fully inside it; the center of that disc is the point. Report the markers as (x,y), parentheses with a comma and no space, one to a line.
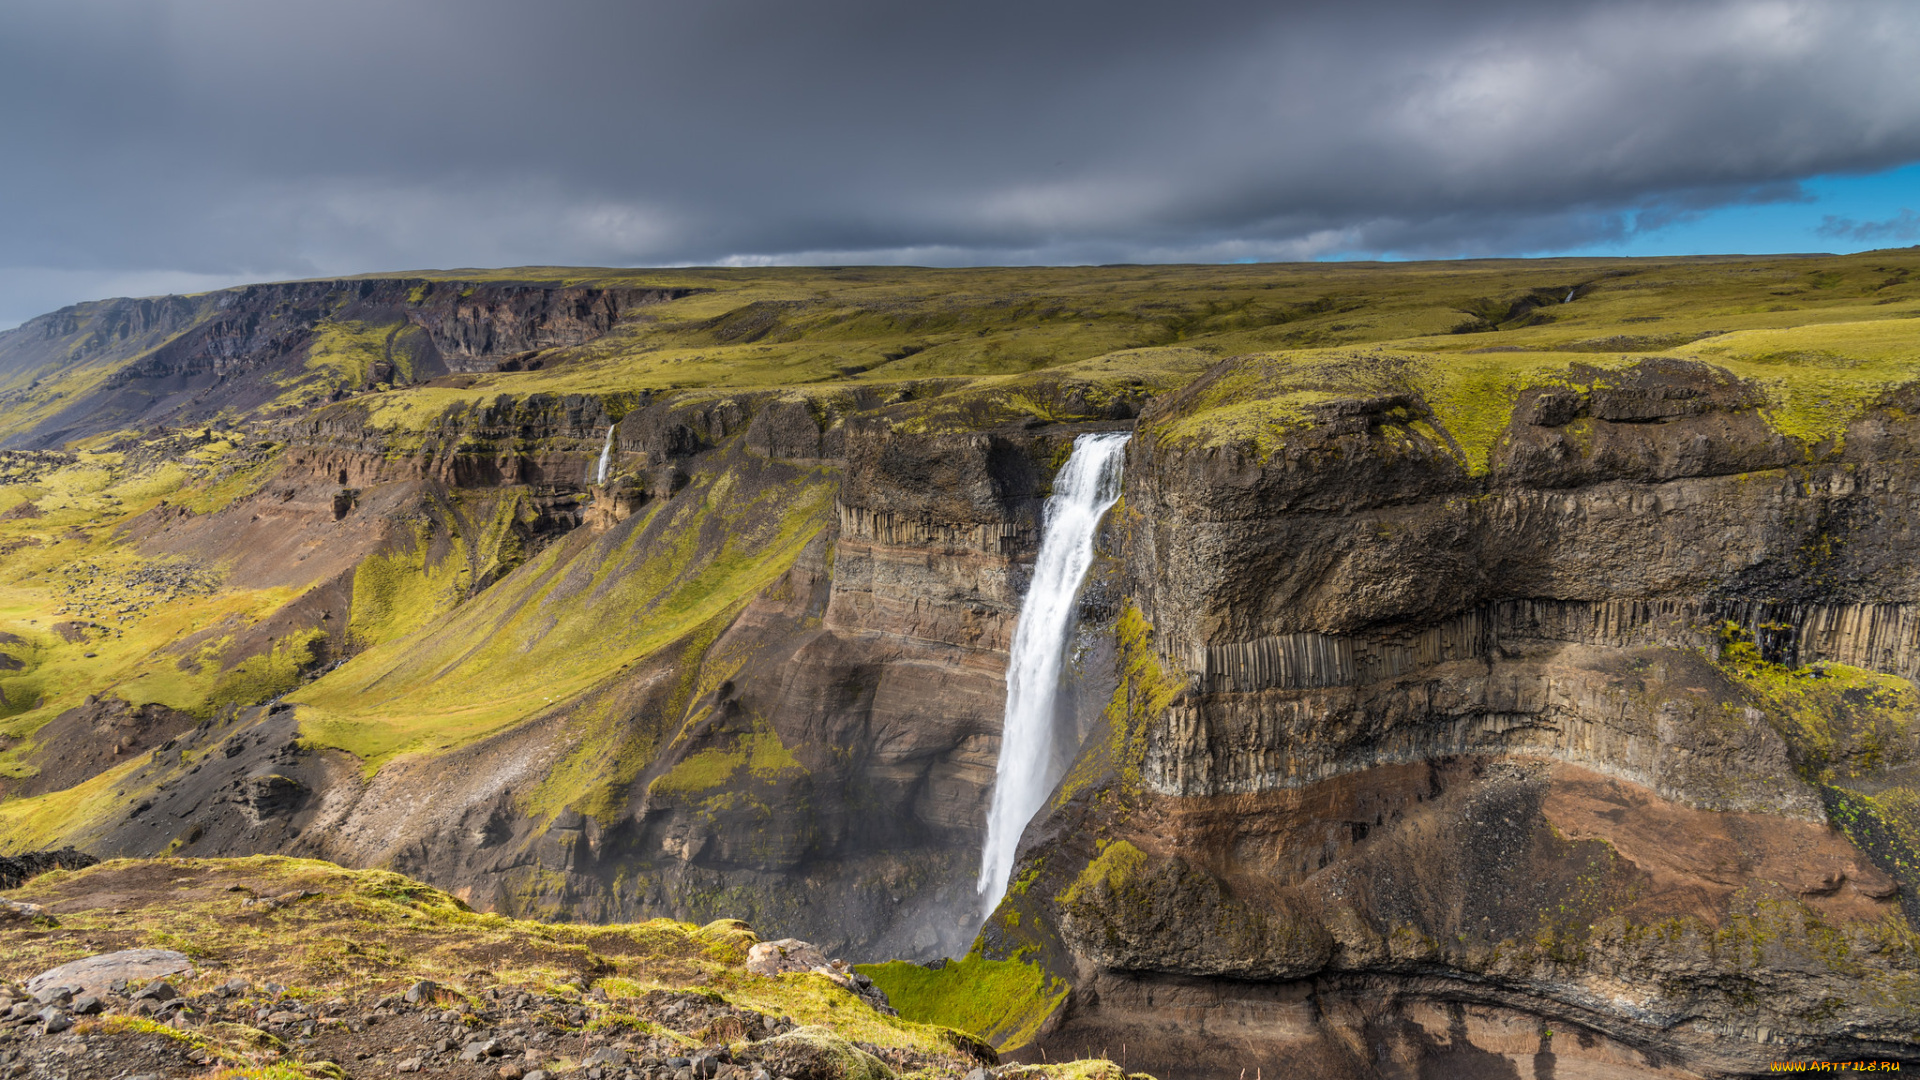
(370,974)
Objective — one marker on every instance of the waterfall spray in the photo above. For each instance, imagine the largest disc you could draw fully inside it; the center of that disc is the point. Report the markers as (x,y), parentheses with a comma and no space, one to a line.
(1086,486)
(606,457)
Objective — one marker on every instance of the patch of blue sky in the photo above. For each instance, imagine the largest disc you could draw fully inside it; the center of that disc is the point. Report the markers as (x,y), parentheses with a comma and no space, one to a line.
(1837,213)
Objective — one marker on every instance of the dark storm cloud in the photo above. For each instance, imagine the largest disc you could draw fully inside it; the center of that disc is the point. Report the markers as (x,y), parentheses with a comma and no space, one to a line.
(155,145)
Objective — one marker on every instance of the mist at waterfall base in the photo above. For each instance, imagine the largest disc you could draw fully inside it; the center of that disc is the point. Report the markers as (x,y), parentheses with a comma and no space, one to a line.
(1032,755)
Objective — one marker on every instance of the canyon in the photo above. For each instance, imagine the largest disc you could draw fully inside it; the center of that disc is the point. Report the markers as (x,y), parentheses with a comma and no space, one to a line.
(1446,696)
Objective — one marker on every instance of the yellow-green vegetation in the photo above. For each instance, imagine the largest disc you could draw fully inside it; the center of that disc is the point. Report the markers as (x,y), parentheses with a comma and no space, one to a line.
(41,821)
(472,539)
(846,1060)
(1817,363)
(1820,333)
(141,1025)
(1264,398)
(1886,826)
(574,616)
(929,333)
(341,354)
(327,929)
(269,674)
(1144,691)
(417,581)
(760,753)
(1851,732)
(34,393)
(1842,721)
(1001,1001)
(1118,863)
(1817,377)
(615,747)
(401,590)
(1084,1069)
(274,1071)
(85,612)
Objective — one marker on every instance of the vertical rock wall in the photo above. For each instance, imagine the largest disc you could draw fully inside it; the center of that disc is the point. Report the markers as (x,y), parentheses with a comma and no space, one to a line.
(1426,755)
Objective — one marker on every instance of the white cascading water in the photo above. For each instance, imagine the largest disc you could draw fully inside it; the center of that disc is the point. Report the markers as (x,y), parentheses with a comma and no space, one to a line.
(606,457)
(1084,489)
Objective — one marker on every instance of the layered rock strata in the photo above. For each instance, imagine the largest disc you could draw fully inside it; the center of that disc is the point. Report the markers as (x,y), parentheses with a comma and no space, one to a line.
(1560,765)
(817,760)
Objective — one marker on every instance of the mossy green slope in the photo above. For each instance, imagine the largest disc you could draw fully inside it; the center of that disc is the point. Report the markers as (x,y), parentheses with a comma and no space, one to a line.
(85,613)
(1002,1001)
(573,616)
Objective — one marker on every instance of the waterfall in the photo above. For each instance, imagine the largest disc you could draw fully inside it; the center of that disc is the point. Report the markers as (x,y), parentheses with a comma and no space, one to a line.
(606,457)
(1086,486)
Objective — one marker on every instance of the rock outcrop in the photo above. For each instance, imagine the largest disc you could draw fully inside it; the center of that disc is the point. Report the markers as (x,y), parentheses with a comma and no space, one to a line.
(1417,766)
(17,870)
(1439,715)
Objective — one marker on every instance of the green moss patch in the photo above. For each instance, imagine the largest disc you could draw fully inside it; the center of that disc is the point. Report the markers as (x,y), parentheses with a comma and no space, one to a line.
(1850,732)
(1117,864)
(760,753)
(342,354)
(1001,1001)
(1842,722)
(1143,692)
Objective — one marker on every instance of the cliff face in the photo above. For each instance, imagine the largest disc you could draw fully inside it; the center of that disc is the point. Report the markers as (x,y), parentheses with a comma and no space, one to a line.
(813,751)
(1544,764)
(265,349)
(1452,710)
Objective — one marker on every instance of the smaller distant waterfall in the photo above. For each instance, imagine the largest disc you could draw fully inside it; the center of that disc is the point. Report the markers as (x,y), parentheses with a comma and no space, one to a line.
(606,457)
(1085,488)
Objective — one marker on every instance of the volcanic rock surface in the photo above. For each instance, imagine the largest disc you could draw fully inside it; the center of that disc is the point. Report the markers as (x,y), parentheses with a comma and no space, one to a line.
(1444,708)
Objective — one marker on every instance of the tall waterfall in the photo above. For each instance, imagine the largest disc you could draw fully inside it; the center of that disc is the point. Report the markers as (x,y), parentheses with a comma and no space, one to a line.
(1086,486)
(606,457)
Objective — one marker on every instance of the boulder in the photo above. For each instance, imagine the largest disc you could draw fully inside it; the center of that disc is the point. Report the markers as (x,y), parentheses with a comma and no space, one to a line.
(19,911)
(95,975)
(783,956)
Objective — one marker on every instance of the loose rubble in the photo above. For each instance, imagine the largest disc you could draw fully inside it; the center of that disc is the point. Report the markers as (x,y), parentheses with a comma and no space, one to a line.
(72,1027)
(210,969)
(96,592)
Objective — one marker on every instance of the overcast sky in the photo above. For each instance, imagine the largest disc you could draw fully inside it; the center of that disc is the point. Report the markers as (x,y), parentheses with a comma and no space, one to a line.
(154,146)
